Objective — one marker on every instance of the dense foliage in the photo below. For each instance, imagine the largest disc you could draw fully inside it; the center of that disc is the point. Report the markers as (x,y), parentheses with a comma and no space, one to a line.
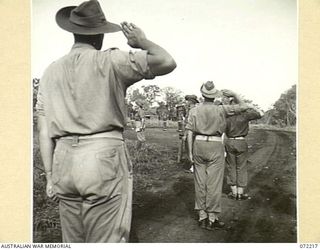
(283,112)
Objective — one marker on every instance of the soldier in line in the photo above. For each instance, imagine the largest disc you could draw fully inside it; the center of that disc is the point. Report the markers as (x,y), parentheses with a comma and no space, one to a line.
(181,114)
(237,150)
(205,126)
(131,114)
(164,117)
(191,102)
(140,124)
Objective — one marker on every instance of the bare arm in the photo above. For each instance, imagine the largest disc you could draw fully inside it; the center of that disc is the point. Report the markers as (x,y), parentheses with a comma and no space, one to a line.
(190,144)
(46,149)
(159,60)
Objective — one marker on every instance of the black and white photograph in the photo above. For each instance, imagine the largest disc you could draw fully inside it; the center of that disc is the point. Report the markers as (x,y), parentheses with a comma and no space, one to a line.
(164,121)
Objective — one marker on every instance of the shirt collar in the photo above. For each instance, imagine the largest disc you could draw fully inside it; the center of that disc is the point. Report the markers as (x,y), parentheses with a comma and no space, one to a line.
(209,103)
(82,46)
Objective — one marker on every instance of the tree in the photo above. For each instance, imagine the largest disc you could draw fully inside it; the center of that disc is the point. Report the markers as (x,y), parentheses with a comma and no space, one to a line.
(147,94)
(283,112)
(134,95)
(285,107)
(151,92)
(172,96)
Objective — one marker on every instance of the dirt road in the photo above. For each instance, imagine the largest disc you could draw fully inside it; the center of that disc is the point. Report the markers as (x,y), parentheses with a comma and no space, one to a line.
(164,195)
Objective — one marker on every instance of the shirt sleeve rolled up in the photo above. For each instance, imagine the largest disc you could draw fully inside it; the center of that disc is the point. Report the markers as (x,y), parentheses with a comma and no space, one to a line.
(131,66)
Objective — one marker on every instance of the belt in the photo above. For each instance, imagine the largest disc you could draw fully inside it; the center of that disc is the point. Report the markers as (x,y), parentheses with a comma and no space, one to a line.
(208,138)
(237,138)
(113,134)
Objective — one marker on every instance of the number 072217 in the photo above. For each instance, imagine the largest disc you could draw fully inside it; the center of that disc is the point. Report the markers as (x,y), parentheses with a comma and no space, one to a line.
(308,246)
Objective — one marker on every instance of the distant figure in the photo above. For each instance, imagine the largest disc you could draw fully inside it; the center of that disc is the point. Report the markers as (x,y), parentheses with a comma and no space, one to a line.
(165,117)
(237,151)
(81,117)
(191,102)
(205,126)
(131,114)
(140,124)
(181,114)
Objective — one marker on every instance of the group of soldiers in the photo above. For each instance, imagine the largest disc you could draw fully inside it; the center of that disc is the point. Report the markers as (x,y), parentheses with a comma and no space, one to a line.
(212,134)
(81,119)
(215,134)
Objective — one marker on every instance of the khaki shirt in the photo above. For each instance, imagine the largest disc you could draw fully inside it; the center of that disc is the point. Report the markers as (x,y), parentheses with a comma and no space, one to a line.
(84,91)
(210,119)
(238,125)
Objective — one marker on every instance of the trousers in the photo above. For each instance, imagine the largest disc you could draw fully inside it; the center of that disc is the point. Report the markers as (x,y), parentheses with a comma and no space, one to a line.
(140,132)
(208,175)
(236,162)
(93,180)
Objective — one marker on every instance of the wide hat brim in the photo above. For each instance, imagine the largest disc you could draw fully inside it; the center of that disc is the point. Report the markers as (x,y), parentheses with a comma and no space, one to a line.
(192,98)
(139,102)
(62,19)
(213,93)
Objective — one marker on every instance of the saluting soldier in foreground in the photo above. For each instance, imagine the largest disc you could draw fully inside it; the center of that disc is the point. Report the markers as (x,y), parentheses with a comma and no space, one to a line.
(237,151)
(206,124)
(81,118)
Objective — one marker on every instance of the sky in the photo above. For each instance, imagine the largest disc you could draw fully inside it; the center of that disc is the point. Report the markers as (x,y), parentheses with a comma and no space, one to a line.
(248,46)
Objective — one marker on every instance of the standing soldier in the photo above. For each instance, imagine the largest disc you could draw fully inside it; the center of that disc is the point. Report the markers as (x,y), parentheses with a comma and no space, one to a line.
(131,115)
(191,102)
(181,114)
(164,117)
(140,124)
(206,124)
(81,118)
(237,151)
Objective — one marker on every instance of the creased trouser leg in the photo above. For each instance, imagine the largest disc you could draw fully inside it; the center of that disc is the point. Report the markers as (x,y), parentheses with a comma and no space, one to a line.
(71,221)
(200,185)
(214,184)
(242,161)
(236,162)
(231,167)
